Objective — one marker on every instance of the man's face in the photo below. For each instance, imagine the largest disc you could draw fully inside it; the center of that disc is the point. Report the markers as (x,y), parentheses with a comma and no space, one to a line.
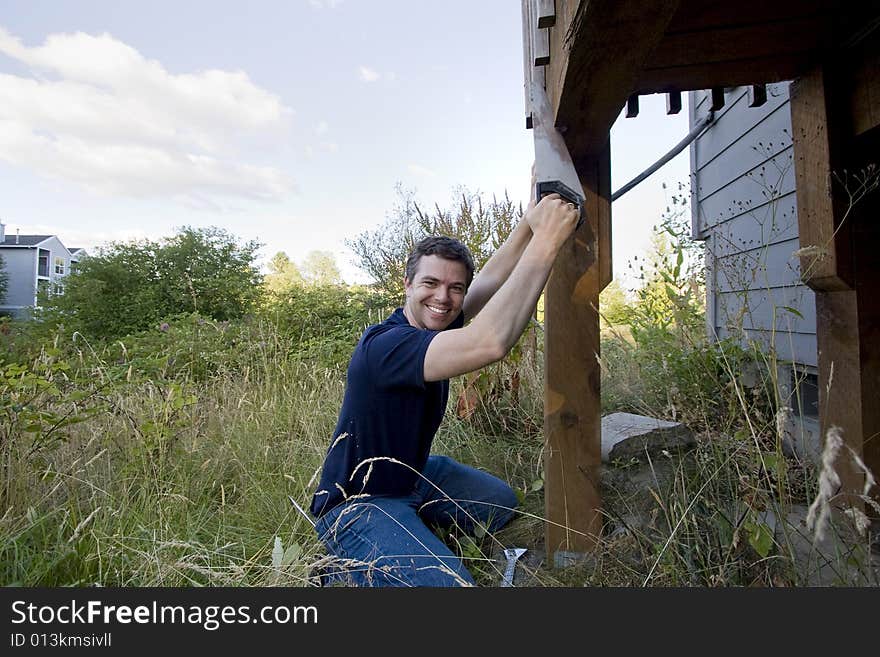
(435,294)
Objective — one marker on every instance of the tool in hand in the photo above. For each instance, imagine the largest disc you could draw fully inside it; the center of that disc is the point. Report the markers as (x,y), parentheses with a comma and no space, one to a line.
(512,555)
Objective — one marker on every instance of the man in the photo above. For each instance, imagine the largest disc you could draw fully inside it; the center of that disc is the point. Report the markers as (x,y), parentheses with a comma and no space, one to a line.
(380,490)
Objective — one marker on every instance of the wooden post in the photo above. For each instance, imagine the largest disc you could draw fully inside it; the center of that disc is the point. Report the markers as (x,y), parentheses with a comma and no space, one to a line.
(828,268)
(868,281)
(826,263)
(840,382)
(572,404)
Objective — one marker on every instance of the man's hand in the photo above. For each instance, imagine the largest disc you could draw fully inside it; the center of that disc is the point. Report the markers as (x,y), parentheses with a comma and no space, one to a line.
(552,220)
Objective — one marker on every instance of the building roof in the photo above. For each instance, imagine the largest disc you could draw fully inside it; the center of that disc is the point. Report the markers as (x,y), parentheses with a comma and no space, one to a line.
(24,240)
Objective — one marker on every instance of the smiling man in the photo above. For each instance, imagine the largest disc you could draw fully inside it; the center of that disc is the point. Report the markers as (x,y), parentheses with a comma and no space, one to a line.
(381,490)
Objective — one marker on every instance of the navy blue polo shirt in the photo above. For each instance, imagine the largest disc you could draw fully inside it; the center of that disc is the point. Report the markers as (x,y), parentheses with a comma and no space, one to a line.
(389,412)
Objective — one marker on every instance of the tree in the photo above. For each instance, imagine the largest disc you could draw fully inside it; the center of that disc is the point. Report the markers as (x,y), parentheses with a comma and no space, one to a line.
(207,271)
(613,303)
(319,268)
(283,274)
(482,228)
(128,287)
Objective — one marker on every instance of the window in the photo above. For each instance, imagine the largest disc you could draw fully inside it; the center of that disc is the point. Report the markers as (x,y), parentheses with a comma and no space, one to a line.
(59,265)
(43,263)
(806,392)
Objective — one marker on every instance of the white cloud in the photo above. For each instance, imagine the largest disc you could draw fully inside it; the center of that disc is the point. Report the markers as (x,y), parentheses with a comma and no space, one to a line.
(368,74)
(325,4)
(419,170)
(321,128)
(90,240)
(100,114)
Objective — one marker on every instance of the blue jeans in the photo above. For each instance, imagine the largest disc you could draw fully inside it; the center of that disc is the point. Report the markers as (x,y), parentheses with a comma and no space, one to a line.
(387,541)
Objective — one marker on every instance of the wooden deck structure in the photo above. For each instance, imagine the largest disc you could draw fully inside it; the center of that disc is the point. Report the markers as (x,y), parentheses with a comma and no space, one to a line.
(594,57)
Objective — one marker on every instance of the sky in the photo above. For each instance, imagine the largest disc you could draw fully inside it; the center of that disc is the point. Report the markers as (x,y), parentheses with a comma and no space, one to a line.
(289,122)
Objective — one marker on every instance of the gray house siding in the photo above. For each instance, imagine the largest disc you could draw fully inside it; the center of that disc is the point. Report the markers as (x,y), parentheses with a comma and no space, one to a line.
(21,268)
(24,273)
(744,206)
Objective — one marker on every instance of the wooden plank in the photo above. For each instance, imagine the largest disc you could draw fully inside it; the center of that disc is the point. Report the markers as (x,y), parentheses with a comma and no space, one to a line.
(731,42)
(603,218)
(864,105)
(867,239)
(694,15)
(734,73)
(757,95)
(717,101)
(632,106)
(603,45)
(546,11)
(673,102)
(841,383)
(540,40)
(828,264)
(572,404)
(527,59)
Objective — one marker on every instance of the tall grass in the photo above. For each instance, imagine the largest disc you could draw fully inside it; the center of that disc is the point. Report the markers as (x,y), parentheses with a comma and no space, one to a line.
(178,482)
(167,460)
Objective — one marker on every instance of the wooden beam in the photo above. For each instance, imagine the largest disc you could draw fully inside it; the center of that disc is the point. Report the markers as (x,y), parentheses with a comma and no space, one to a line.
(867,240)
(540,38)
(546,11)
(757,95)
(717,101)
(572,403)
(713,44)
(826,263)
(733,73)
(673,102)
(603,216)
(842,269)
(840,383)
(695,15)
(599,47)
(632,106)
(864,101)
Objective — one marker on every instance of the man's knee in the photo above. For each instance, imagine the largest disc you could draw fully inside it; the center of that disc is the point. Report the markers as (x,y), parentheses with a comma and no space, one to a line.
(504,506)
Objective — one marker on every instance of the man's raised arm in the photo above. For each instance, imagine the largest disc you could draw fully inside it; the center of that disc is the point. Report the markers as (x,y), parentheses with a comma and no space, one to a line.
(495,330)
(500,265)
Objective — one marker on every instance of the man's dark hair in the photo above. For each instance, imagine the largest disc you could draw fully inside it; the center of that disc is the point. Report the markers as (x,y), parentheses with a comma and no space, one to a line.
(445,247)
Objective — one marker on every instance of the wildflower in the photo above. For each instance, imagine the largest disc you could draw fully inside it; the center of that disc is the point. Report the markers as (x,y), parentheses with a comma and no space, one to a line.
(164,326)
(859,519)
(829,482)
(811,250)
